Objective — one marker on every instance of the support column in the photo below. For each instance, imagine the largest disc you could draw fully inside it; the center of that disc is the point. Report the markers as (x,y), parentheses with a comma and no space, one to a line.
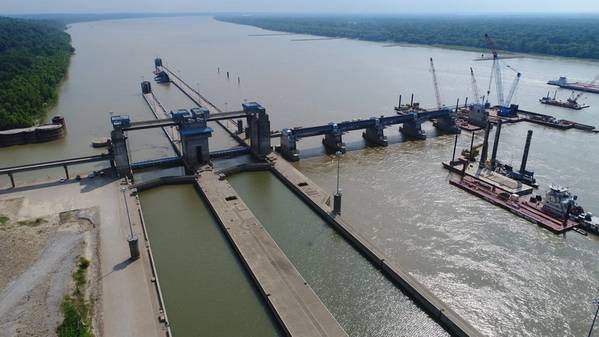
(495,145)
(258,129)
(289,145)
(485,151)
(525,154)
(333,141)
(447,124)
(375,135)
(194,139)
(413,129)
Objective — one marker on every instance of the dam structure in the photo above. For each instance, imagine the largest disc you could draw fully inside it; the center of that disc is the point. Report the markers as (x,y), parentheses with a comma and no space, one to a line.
(296,307)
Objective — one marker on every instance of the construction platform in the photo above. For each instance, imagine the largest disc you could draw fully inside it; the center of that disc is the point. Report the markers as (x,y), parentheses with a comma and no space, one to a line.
(491,178)
(517,205)
(295,305)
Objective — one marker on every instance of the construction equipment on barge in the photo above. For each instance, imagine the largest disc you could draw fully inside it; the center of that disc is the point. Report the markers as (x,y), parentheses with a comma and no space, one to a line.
(570,103)
(558,213)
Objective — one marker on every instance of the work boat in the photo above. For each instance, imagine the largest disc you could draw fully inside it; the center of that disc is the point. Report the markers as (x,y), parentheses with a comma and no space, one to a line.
(560,203)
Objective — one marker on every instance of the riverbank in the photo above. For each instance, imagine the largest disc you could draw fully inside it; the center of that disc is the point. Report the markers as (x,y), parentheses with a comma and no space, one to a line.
(536,34)
(120,290)
(39,54)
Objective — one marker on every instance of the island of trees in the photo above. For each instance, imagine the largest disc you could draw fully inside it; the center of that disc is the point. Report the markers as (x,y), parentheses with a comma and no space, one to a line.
(34,58)
(570,36)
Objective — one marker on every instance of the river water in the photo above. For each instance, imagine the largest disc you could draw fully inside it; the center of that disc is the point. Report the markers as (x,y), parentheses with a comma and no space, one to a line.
(504,275)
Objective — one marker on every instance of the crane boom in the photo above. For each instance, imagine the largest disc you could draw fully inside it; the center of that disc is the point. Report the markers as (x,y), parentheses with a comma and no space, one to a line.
(436,84)
(491,45)
(498,82)
(513,89)
(475,91)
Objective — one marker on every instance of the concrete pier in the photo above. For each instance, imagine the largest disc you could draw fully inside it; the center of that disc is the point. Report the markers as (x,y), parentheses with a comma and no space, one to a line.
(375,136)
(295,305)
(333,141)
(289,145)
(447,125)
(413,130)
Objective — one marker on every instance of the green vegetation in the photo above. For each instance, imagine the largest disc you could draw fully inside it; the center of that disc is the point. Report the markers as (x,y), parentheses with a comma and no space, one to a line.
(571,36)
(3,219)
(76,310)
(34,58)
(32,222)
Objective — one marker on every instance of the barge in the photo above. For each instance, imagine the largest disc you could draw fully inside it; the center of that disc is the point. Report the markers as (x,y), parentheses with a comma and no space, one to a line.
(37,134)
(570,103)
(532,209)
(562,82)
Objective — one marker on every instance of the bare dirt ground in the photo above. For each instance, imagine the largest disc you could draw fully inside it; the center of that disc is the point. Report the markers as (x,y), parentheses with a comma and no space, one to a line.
(37,258)
(44,227)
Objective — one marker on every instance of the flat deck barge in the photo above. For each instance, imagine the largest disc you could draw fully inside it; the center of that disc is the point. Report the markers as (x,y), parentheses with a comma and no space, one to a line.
(516,205)
(491,178)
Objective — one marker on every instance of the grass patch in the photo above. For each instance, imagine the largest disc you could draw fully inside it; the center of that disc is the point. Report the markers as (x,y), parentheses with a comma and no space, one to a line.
(76,310)
(3,219)
(32,222)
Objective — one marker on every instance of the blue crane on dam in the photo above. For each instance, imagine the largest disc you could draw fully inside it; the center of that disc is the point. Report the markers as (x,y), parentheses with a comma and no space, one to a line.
(373,130)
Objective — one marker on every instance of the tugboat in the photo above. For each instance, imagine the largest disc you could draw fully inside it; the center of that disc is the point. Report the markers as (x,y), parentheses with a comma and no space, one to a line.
(559,202)
(570,103)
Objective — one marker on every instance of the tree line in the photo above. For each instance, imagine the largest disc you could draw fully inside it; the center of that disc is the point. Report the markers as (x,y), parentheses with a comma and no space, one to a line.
(34,58)
(570,36)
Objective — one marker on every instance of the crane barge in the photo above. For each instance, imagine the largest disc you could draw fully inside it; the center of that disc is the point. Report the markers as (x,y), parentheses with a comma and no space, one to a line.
(570,103)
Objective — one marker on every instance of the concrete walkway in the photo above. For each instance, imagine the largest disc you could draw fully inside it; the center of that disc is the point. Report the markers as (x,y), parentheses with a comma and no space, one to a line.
(298,309)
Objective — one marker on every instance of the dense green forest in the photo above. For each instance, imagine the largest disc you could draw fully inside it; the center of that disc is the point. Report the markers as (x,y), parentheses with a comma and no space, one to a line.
(571,36)
(34,58)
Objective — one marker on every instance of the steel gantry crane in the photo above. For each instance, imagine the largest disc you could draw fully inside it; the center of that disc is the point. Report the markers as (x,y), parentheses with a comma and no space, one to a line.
(436,85)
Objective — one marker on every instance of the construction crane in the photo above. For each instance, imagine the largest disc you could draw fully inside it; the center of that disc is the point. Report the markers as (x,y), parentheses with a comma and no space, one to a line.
(436,84)
(475,91)
(494,68)
(514,87)
(503,102)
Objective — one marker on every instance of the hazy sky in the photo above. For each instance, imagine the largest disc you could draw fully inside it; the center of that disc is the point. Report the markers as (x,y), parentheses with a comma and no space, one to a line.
(353,6)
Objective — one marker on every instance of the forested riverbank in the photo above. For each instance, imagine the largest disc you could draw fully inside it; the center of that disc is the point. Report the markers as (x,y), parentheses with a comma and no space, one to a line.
(34,58)
(569,36)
